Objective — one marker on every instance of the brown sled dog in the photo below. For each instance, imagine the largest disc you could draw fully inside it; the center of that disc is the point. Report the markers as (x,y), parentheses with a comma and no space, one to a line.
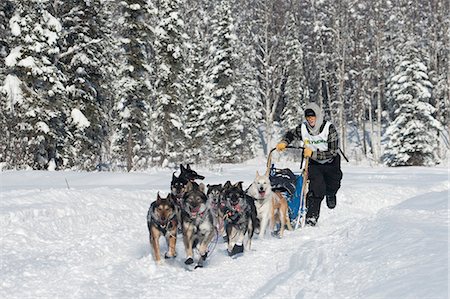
(162,221)
(280,213)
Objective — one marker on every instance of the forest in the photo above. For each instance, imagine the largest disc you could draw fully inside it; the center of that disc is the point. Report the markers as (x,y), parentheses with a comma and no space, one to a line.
(134,84)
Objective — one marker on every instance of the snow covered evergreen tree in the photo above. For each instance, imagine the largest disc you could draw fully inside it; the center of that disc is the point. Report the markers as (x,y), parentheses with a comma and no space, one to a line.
(133,109)
(82,60)
(294,95)
(6,124)
(195,112)
(412,135)
(167,123)
(33,59)
(225,143)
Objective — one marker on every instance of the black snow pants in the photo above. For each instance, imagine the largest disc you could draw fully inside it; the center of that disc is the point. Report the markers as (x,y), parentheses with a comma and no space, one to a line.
(324,179)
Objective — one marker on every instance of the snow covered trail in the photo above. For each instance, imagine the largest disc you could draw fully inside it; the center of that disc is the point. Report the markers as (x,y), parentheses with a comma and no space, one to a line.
(387,238)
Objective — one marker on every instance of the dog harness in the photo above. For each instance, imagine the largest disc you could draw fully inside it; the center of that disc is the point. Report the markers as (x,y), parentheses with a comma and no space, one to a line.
(232,215)
(167,225)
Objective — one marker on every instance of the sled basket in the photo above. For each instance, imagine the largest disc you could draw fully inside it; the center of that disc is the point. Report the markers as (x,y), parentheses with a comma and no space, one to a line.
(283,180)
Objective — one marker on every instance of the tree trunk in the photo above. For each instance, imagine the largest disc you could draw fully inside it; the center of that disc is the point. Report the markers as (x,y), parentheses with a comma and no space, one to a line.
(371,126)
(129,151)
(379,110)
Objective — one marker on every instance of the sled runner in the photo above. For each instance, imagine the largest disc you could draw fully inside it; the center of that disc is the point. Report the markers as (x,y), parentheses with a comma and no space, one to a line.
(294,187)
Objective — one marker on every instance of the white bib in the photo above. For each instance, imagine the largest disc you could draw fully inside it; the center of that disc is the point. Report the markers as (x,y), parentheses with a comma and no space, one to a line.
(317,142)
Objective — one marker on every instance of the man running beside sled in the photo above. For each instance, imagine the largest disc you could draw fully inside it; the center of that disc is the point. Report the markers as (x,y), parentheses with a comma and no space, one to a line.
(321,145)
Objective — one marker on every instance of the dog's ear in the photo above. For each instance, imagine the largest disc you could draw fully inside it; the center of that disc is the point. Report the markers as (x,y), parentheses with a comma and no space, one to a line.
(188,167)
(158,197)
(182,168)
(173,176)
(257,173)
(201,187)
(227,185)
(238,185)
(220,187)
(207,186)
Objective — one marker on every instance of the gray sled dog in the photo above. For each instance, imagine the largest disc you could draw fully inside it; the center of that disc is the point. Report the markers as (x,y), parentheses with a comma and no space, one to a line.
(216,204)
(240,218)
(198,225)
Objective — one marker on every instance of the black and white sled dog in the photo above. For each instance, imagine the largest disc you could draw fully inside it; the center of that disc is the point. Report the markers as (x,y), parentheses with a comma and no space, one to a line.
(197,221)
(179,183)
(216,204)
(162,221)
(240,217)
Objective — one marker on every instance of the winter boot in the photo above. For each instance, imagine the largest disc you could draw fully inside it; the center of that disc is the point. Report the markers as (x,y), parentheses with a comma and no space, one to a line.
(331,201)
(311,221)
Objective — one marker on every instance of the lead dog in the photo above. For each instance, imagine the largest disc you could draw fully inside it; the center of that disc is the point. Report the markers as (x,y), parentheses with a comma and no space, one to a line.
(271,207)
(162,221)
(198,225)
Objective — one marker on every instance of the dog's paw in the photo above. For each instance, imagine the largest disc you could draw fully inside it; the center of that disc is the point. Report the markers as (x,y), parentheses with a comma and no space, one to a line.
(168,256)
(199,264)
(189,261)
(276,234)
(237,249)
(225,238)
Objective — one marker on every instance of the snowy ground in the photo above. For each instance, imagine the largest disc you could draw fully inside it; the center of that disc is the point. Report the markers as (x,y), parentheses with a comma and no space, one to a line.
(387,238)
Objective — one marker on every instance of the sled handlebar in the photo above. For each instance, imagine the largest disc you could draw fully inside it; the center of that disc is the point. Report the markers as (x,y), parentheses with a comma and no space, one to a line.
(269,157)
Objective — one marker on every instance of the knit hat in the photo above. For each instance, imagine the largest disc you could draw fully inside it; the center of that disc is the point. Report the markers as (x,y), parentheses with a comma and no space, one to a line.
(309,112)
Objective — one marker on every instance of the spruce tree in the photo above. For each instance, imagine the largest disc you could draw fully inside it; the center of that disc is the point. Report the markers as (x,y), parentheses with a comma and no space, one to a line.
(294,95)
(412,135)
(33,59)
(225,124)
(133,109)
(167,110)
(81,58)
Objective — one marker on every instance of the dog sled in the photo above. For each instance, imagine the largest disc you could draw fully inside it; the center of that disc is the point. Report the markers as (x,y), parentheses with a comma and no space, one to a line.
(293,185)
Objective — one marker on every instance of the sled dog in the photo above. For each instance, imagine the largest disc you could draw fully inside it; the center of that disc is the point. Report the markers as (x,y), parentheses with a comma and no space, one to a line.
(280,217)
(189,174)
(178,184)
(162,221)
(198,225)
(268,205)
(178,187)
(216,204)
(240,218)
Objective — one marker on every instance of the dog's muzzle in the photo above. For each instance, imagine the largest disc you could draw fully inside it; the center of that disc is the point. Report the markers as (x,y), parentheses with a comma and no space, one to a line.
(262,193)
(196,210)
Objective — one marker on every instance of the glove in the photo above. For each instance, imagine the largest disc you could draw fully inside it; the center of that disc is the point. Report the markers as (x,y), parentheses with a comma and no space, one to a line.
(307,152)
(281,146)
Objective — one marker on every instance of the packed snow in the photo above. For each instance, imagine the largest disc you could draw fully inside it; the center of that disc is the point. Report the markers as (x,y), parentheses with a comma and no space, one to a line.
(84,235)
